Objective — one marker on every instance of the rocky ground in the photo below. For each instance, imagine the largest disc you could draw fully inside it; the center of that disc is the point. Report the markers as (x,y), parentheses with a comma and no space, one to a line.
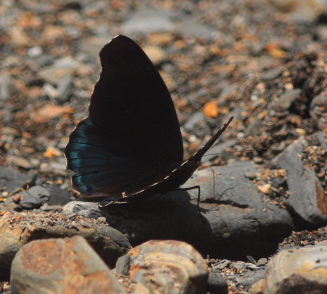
(263,62)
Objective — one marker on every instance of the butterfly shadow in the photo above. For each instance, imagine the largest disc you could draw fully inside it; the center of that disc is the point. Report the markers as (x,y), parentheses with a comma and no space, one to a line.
(173,215)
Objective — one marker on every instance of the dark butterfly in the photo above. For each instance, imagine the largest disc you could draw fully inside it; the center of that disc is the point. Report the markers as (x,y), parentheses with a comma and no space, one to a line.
(130,146)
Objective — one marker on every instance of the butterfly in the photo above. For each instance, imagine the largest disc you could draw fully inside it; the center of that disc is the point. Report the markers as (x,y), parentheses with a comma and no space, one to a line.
(130,146)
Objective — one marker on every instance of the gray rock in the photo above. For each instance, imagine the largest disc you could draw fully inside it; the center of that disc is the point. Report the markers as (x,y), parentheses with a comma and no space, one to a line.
(93,45)
(148,20)
(307,199)
(216,283)
(286,99)
(34,197)
(62,67)
(65,88)
(195,29)
(57,196)
(318,108)
(272,73)
(11,180)
(4,86)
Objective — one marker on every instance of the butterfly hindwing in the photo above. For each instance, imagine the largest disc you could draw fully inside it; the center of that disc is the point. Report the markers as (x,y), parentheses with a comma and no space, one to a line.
(97,168)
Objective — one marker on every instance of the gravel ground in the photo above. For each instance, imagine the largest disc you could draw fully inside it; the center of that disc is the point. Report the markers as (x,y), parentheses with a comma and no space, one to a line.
(264,62)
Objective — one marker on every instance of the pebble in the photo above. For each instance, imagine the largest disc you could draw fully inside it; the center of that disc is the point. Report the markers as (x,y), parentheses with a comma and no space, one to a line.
(65,88)
(285,100)
(216,283)
(19,161)
(195,29)
(61,67)
(156,54)
(272,73)
(318,108)
(148,21)
(214,51)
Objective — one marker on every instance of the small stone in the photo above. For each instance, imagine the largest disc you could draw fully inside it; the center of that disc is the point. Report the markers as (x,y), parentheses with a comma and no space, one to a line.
(62,67)
(258,160)
(216,283)
(33,197)
(211,109)
(318,110)
(123,264)
(65,88)
(52,152)
(265,188)
(148,20)
(286,99)
(34,51)
(193,28)
(19,161)
(155,54)
(250,175)
(272,73)
(49,111)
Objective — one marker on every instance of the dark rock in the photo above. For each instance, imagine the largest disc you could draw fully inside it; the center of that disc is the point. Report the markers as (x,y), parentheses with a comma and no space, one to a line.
(11,180)
(34,197)
(61,266)
(57,195)
(307,199)
(216,283)
(238,221)
(248,279)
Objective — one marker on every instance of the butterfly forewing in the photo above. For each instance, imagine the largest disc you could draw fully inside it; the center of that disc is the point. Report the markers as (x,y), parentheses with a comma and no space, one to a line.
(132,104)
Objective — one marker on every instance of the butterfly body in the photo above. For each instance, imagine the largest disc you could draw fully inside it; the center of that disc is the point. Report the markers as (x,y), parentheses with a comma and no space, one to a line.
(130,146)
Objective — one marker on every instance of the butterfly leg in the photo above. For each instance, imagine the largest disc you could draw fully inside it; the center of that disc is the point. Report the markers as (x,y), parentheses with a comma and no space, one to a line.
(198,202)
